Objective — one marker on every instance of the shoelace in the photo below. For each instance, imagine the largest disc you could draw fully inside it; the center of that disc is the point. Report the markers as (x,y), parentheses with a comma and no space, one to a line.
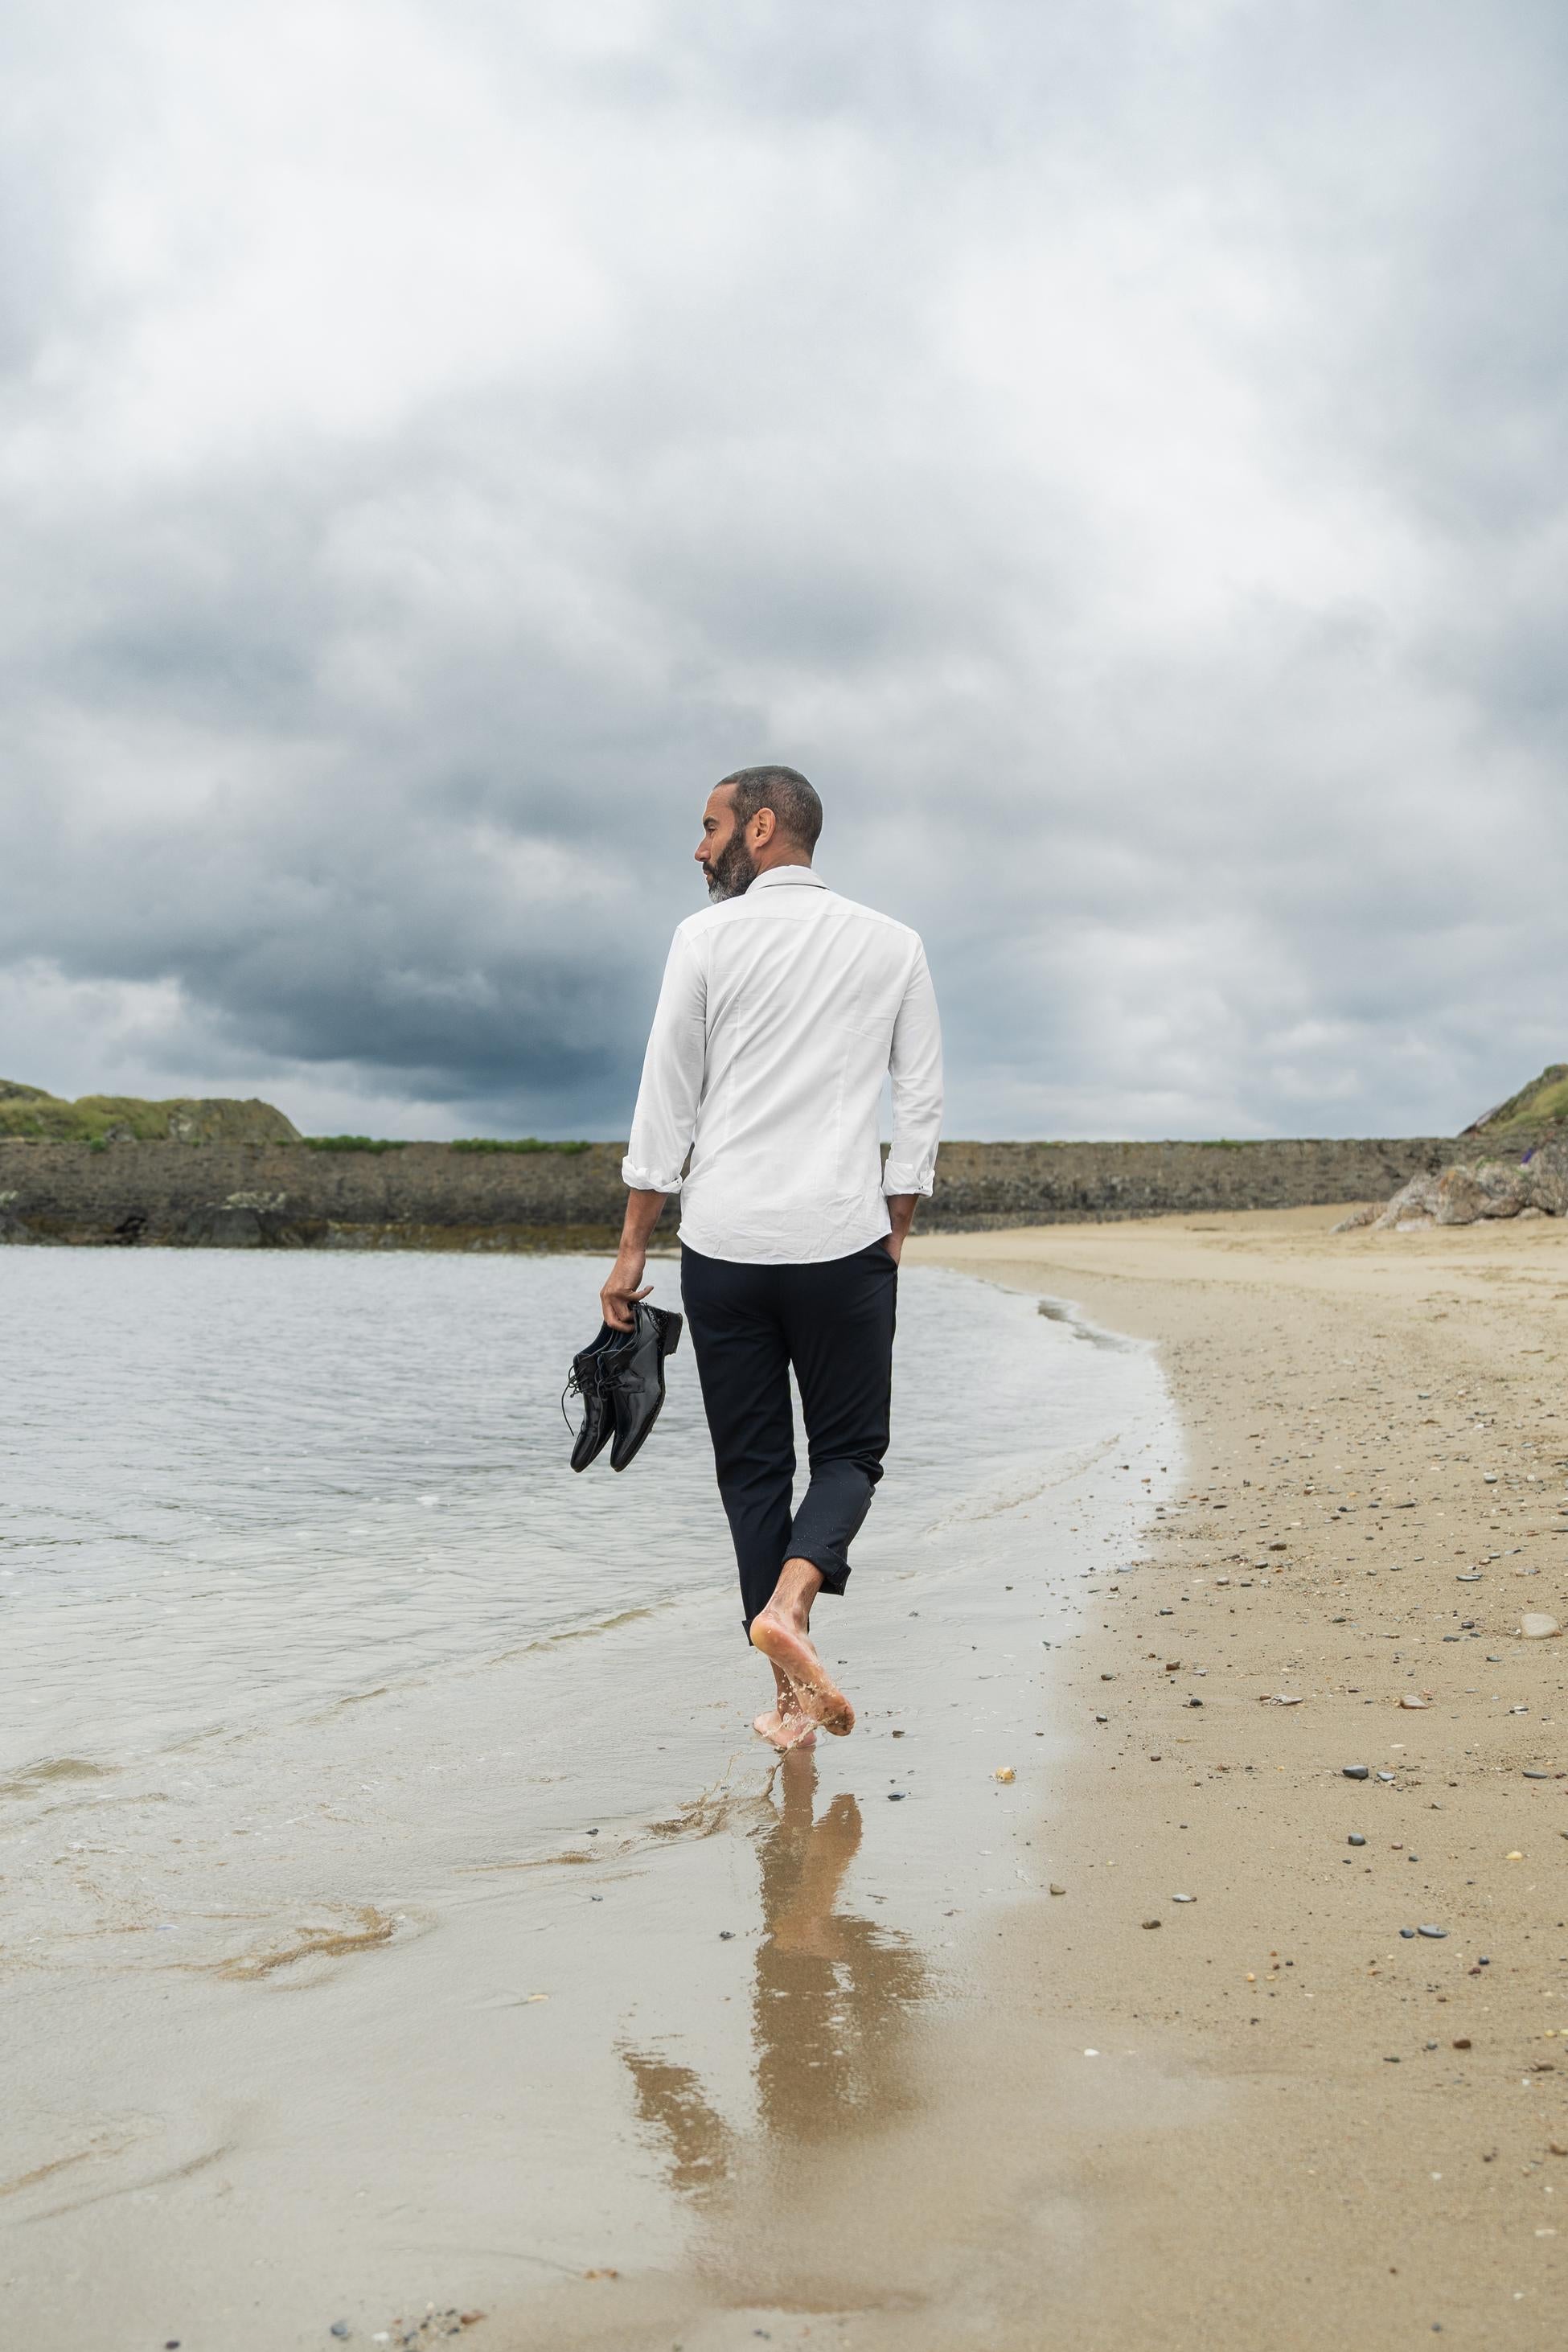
(598,1374)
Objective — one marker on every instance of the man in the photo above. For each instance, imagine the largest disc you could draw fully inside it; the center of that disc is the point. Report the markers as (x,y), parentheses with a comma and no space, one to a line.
(783,1009)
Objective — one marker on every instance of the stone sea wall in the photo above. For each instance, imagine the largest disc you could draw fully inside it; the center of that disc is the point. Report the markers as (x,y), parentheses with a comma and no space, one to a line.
(430,1196)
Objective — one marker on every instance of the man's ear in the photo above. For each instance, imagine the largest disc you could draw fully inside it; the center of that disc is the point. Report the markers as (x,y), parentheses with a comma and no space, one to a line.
(766,826)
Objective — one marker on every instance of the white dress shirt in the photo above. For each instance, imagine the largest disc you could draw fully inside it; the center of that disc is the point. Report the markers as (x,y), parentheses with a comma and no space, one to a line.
(781,1013)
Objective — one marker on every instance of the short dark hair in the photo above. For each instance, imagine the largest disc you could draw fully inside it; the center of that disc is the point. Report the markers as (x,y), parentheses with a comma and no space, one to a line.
(795,806)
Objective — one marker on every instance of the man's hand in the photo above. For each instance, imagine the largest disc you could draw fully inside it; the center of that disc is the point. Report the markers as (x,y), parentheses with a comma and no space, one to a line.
(620,1292)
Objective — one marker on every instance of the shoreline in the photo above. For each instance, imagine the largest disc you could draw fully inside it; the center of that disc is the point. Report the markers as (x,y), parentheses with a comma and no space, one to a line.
(1376,2159)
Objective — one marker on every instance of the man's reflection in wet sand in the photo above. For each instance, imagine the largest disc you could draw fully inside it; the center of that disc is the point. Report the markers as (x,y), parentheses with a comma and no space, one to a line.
(829,2005)
(830,1986)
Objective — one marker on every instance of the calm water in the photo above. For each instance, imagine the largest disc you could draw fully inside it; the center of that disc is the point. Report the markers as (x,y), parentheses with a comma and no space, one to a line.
(238,1487)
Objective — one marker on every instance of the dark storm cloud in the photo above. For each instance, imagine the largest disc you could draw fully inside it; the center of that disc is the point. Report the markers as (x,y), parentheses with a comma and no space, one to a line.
(1117,451)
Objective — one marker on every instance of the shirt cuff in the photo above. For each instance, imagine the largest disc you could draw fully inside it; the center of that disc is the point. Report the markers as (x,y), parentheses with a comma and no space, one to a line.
(907,1179)
(639,1179)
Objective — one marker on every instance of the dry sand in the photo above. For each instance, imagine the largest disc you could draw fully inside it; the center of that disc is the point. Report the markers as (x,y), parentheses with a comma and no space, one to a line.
(1373,1422)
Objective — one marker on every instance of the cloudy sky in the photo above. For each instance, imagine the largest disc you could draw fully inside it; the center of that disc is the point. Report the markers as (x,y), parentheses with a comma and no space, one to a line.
(1117,447)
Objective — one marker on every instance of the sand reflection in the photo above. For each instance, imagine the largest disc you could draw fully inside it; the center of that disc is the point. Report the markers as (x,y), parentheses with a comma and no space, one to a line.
(831,1996)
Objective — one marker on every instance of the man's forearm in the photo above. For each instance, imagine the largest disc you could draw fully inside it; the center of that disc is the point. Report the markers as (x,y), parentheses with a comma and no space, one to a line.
(643,1211)
(901,1207)
(621,1289)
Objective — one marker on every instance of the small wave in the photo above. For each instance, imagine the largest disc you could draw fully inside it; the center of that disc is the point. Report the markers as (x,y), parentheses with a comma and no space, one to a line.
(330,1941)
(35,1777)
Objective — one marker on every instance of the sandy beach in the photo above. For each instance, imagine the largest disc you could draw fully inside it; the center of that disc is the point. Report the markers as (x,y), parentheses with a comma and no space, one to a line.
(877,2048)
(1372,2137)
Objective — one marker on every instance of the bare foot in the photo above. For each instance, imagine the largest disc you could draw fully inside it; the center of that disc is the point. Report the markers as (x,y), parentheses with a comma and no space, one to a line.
(788,1648)
(785,1729)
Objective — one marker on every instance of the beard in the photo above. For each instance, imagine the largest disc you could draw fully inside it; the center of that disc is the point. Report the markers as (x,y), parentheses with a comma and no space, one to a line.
(732,872)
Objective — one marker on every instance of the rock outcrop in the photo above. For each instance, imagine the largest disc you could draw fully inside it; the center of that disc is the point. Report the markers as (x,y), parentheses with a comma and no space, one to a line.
(1534,1186)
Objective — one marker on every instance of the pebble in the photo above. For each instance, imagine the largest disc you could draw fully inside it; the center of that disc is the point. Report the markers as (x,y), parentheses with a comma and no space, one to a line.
(1102,1718)
(1385,1776)
(1195,1702)
(1463,2043)
(726,1934)
(1410,1699)
(1005,1773)
(1151,1923)
(1536,1626)
(1058,1890)
(896,1796)
(1183,1898)
(1355,1838)
(1408,1934)
(338,2327)
(1436,1933)
(1357,1771)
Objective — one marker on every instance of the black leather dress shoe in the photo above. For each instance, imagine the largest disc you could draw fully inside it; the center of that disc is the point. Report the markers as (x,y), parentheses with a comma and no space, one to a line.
(633,1375)
(586,1380)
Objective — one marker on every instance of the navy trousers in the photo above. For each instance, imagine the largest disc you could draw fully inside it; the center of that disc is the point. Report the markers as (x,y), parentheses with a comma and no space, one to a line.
(832,1324)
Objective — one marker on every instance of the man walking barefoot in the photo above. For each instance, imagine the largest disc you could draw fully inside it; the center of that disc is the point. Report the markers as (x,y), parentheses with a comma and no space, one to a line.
(783,1009)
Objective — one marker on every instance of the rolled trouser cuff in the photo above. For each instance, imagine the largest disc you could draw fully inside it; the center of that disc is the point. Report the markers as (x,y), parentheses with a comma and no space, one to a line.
(833,1570)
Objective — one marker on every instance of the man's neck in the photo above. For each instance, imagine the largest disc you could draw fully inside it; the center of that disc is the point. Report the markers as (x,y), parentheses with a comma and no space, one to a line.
(766,862)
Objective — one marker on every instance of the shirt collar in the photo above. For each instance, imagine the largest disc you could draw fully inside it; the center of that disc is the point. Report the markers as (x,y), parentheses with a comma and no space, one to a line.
(777,875)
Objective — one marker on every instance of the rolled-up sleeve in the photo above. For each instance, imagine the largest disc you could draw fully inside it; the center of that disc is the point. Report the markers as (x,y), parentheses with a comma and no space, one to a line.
(665,1116)
(915,1063)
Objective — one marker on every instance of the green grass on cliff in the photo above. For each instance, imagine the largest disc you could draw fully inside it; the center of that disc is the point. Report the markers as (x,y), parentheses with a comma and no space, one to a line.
(1543,1104)
(512,1143)
(400,1143)
(353,1143)
(99,1119)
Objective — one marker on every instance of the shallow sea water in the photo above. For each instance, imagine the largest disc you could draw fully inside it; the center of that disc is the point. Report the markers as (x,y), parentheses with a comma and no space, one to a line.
(398,1905)
(237,1487)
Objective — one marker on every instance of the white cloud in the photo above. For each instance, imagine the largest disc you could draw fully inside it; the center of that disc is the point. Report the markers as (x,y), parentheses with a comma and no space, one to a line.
(1116,450)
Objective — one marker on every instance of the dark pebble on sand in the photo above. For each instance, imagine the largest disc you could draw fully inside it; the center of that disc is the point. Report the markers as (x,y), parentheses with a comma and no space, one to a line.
(1356,1771)
(338,2327)
(1355,1838)
(726,1934)
(896,1796)
(1195,1702)
(1437,1933)
(1408,1934)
